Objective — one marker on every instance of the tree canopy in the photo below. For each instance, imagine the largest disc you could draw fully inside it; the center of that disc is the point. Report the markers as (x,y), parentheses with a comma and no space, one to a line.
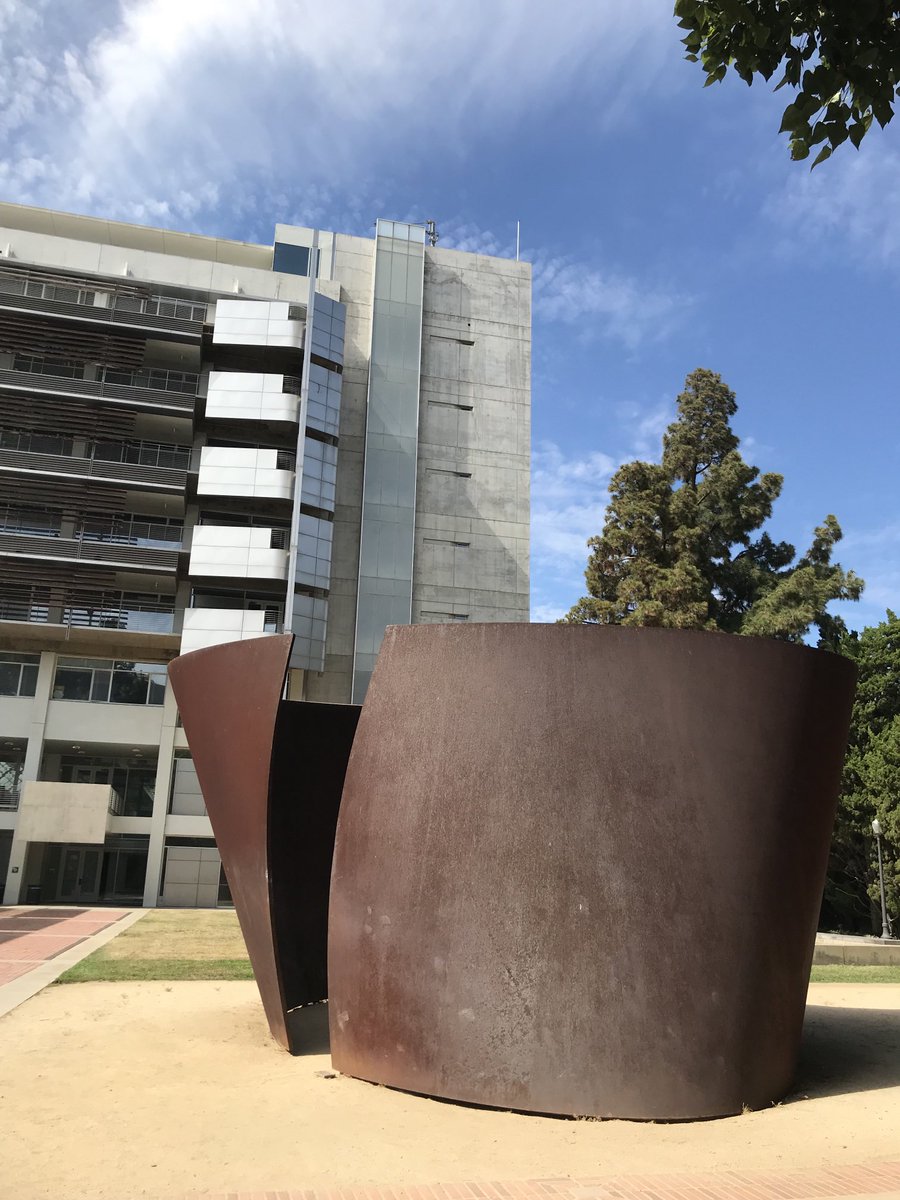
(681,546)
(842,58)
(870,786)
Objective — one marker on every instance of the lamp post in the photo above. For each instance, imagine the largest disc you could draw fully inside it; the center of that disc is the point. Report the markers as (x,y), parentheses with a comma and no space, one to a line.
(885,927)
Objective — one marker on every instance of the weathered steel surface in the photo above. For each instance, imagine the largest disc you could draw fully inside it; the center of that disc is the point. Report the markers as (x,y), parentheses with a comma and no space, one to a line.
(271,772)
(578,869)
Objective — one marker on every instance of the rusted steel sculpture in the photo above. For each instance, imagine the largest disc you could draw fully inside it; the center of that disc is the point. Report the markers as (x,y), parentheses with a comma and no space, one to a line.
(271,772)
(577,869)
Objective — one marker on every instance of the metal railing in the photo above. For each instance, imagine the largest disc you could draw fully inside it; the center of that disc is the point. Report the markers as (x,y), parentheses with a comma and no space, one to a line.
(130,393)
(25,292)
(132,474)
(158,378)
(142,618)
(87,550)
(133,618)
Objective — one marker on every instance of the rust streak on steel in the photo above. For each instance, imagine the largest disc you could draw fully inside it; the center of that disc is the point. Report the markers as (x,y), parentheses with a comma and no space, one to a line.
(578,869)
(271,773)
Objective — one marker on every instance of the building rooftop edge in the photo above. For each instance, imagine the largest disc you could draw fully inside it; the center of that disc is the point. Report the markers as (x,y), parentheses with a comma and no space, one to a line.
(81,227)
(154,239)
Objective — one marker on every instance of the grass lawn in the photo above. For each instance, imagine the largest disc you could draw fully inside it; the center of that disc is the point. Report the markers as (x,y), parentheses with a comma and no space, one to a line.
(207,944)
(169,944)
(840,973)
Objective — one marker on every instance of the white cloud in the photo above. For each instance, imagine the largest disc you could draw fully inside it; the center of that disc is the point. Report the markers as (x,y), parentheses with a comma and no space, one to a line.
(646,427)
(169,107)
(843,205)
(456,234)
(569,494)
(605,303)
(547,614)
(592,300)
(567,500)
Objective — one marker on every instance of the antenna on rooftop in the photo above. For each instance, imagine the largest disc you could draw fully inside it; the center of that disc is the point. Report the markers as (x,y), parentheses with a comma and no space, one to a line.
(431,232)
(518,231)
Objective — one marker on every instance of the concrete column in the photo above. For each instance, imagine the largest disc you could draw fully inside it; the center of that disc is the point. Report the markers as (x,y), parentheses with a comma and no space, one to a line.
(15,873)
(164,768)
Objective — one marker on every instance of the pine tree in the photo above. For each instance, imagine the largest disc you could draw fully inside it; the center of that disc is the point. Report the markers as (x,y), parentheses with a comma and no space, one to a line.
(681,546)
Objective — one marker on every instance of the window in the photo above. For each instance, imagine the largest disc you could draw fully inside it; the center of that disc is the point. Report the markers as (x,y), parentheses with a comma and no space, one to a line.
(102,682)
(39,522)
(35,443)
(18,674)
(292,260)
(133,781)
(48,366)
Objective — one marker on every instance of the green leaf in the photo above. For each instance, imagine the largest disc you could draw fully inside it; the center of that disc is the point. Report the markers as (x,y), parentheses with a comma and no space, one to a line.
(791,119)
(824,153)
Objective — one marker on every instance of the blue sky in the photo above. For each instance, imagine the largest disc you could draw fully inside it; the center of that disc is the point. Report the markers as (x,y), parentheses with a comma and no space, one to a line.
(667,227)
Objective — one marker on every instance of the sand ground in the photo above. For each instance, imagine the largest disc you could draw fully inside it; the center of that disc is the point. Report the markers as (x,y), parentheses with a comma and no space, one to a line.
(112,1091)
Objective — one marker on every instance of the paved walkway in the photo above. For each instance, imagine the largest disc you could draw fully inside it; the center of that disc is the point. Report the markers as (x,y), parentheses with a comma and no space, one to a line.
(38,943)
(834,1183)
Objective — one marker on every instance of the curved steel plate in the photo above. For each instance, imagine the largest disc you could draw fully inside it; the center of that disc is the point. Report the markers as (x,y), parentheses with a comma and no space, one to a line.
(271,773)
(578,869)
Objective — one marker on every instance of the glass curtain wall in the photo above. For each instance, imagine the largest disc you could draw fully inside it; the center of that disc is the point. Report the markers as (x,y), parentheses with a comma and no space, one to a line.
(392,435)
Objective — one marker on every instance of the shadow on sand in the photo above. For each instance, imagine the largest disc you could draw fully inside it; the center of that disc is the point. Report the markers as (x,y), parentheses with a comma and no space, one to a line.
(844,1050)
(848,1050)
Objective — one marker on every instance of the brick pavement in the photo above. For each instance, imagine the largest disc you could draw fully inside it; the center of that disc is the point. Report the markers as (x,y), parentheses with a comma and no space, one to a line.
(879,1179)
(32,936)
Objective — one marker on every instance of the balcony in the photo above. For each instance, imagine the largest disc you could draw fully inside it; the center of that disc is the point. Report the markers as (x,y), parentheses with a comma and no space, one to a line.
(134,558)
(123,474)
(257,323)
(101,304)
(245,471)
(64,812)
(211,626)
(252,396)
(153,391)
(238,551)
(125,615)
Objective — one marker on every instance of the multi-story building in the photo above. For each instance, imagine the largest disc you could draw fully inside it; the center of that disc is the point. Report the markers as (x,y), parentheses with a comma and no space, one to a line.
(203,440)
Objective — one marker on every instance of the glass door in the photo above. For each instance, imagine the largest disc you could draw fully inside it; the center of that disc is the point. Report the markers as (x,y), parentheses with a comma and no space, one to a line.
(79,878)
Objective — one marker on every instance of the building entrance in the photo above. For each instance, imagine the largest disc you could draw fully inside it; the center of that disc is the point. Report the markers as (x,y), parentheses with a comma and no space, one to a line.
(79,876)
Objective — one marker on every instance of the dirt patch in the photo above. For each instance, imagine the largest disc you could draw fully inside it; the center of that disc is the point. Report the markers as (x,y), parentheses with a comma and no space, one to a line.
(151,1089)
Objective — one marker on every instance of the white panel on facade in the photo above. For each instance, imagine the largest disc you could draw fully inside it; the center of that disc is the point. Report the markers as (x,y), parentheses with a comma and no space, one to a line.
(123,724)
(256,323)
(15,716)
(191,878)
(213,626)
(247,396)
(239,551)
(240,471)
(64,812)
(187,798)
